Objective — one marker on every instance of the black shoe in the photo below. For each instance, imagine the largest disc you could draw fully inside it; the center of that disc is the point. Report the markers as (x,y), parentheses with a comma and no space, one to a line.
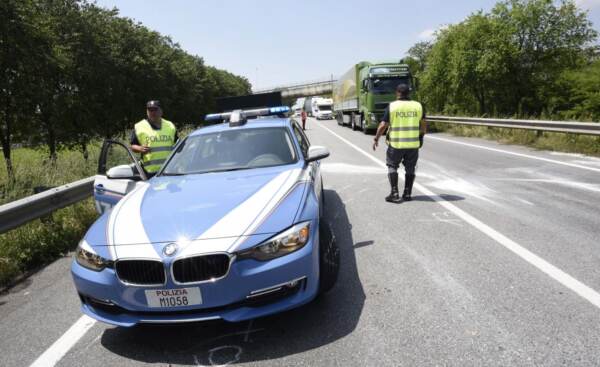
(409,180)
(393,197)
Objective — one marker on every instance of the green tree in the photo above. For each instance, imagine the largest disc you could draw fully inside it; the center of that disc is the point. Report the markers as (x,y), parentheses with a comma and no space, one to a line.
(18,38)
(506,62)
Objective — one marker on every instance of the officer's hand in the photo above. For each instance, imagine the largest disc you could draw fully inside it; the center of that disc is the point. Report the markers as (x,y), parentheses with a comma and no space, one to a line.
(145,149)
(421,140)
(375,144)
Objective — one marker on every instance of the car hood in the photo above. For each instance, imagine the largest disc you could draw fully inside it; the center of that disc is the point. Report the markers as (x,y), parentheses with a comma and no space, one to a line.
(219,207)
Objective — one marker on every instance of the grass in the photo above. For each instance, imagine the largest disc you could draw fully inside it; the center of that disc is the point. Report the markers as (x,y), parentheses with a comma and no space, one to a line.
(562,142)
(43,240)
(32,168)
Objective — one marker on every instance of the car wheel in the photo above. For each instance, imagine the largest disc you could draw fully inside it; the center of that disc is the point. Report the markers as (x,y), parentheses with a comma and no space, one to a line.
(340,119)
(329,257)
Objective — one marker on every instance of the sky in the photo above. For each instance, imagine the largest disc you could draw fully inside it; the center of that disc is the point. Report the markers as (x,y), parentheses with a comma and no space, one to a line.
(279,42)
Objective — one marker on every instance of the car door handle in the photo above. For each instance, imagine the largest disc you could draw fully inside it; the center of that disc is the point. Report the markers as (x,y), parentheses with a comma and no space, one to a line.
(100,188)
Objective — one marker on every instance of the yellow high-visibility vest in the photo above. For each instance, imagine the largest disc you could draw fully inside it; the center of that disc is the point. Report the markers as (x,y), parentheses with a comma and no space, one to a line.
(160,142)
(405,118)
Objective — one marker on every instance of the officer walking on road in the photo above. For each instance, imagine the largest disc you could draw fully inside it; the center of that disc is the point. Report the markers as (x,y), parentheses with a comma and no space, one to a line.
(406,122)
(154,138)
(303,117)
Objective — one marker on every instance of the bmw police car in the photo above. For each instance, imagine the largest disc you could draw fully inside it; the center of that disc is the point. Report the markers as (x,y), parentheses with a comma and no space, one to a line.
(230,228)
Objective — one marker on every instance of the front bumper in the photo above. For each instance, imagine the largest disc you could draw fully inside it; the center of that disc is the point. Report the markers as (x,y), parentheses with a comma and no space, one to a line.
(324,116)
(249,290)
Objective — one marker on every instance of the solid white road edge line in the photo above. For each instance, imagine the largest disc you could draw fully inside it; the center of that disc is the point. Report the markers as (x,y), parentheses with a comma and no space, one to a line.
(60,347)
(515,154)
(552,271)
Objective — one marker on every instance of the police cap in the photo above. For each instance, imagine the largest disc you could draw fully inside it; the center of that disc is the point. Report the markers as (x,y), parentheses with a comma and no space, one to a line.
(153,104)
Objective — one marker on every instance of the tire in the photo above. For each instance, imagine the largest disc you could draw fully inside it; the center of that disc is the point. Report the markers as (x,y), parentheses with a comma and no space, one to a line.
(353,122)
(329,258)
(363,125)
(340,119)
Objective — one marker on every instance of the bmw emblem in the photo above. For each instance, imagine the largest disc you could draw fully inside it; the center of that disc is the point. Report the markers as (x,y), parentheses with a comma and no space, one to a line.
(170,249)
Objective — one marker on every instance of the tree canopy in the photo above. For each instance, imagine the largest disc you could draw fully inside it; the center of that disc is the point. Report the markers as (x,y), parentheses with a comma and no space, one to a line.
(525,58)
(71,71)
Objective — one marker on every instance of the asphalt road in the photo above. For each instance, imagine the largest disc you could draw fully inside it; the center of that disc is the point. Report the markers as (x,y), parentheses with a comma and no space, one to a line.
(495,263)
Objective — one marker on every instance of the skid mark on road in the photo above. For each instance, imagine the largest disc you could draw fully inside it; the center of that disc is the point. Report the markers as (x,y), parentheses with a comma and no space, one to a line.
(443,217)
(351,169)
(552,271)
(556,181)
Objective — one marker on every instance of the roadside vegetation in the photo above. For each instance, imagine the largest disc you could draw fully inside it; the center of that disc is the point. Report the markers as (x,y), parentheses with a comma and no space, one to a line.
(43,240)
(72,74)
(526,59)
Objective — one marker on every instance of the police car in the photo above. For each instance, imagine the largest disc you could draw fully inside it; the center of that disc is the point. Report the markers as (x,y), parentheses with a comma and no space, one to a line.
(230,227)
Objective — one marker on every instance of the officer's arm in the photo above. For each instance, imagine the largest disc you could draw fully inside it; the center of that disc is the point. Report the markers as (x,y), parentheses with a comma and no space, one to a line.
(139,149)
(136,146)
(383,125)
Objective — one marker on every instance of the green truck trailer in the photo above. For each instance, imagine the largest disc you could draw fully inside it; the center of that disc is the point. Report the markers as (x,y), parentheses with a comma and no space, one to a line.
(361,95)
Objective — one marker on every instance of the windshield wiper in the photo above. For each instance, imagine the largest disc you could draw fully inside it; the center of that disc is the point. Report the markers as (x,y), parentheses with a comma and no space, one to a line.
(218,170)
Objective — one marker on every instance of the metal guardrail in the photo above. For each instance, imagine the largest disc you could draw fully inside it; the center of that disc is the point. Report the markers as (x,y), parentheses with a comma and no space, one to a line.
(32,207)
(586,128)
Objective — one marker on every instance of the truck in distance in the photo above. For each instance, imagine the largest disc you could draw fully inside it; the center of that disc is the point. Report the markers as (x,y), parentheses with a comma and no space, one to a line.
(321,108)
(361,95)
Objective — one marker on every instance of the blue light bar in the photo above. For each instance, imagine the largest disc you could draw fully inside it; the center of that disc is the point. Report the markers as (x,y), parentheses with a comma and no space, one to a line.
(245,114)
(281,109)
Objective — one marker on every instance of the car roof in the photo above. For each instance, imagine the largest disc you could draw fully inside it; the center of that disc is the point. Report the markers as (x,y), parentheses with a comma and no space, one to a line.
(250,124)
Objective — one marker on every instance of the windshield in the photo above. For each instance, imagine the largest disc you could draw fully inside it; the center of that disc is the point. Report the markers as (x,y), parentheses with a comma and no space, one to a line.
(232,150)
(386,85)
(324,107)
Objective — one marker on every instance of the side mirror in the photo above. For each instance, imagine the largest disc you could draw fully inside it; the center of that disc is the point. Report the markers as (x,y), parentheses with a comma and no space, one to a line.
(123,171)
(316,153)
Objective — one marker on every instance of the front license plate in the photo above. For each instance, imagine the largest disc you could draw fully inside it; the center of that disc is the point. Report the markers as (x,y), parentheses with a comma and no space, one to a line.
(170,298)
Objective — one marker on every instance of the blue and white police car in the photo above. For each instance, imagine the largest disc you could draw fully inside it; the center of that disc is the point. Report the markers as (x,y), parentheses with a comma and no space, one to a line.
(230,228)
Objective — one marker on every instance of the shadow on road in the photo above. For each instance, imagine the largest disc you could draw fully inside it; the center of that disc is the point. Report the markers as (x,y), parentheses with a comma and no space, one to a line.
(323,321)
(442,197)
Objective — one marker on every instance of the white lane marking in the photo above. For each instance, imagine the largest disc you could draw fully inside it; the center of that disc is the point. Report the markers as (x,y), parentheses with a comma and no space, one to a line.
(552,271)
(515,154)
(60,347)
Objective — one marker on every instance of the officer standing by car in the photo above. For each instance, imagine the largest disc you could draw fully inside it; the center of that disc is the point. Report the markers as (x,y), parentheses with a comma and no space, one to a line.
(406,122)
(154,138)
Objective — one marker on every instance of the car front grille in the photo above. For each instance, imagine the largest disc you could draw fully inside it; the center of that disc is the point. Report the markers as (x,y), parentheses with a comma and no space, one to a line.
(200,268)
(141,272)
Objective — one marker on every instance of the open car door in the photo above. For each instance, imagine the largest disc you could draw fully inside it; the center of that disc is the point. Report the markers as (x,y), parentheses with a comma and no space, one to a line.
(118,174)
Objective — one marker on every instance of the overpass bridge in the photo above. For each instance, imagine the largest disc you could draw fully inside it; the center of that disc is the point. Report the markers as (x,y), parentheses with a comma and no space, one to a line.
(302,89)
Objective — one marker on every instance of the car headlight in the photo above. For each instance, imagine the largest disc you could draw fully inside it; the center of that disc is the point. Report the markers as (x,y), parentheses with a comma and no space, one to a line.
(286,242)
(90,260)
(373,117)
